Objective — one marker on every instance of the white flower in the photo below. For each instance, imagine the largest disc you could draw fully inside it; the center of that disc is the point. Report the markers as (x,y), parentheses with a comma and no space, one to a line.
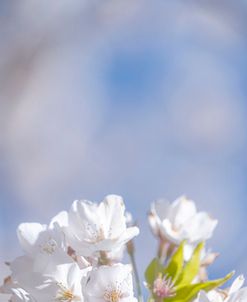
(24,274)
(98,227)
(109,284)
(68,279)
(20,295)
(234,294)
(12,292)
(180,221)
(44,243)
(61,283)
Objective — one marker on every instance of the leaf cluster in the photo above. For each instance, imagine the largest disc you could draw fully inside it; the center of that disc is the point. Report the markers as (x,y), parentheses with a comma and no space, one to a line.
(182,275)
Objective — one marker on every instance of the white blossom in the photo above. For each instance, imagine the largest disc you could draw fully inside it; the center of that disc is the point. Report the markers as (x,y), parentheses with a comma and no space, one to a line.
(63,282)
(72,258)
(109,284)
(44,243)
(99,227)
(179,220)
(12,292)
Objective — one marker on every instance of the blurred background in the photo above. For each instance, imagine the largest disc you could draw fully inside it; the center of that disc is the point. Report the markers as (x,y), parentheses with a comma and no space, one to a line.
(145,99)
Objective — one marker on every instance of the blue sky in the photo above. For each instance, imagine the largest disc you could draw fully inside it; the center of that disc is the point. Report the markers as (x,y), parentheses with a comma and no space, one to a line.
(138,99)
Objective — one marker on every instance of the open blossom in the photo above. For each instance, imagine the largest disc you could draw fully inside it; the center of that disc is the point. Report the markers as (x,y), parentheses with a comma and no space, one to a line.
(61,283)
(72,258)
(180,221)
(109,284)
(236,293)
(12,292)
(68,279)
(98,227)
(44,243)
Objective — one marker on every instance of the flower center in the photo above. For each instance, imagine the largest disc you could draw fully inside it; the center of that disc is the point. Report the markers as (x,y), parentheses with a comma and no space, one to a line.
(65,295)
(96,233)
(49,246)
(163,287)
(113,295)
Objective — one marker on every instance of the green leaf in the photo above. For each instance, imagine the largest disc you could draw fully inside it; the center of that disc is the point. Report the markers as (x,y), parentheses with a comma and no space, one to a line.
(176,262)
(188,292)
(152,271)
(191,269)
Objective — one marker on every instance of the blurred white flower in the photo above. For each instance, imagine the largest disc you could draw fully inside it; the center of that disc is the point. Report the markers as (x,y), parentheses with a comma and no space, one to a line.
(99,227)
(110,284)
(58,283)
(23,274)
(67,279)
(20,295)
(234,294)
(179,220)
(44,243)
(11,291)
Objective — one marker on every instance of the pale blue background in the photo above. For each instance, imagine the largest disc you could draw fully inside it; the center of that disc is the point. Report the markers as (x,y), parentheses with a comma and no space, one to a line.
(145,99)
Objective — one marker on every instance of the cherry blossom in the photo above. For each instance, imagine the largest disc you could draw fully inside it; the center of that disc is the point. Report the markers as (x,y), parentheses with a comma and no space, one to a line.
(110,284)
(179,220)
(95,228)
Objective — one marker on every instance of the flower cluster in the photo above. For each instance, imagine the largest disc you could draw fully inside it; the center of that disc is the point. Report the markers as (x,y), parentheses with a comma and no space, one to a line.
(77,257)
(180,273)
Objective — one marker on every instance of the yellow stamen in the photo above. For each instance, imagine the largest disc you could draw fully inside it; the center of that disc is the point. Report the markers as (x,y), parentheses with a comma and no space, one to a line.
(113,295)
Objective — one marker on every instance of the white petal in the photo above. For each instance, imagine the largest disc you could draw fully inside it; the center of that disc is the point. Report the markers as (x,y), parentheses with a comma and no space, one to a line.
(202,297)
(107,277)
(112,209)
(199,227)
(239,296)
(20,295)
(154,223)
(28,234)
(22,272)
(170,233)
(181,210)
(236,285)
(129,234)
(161,208)
(60,219)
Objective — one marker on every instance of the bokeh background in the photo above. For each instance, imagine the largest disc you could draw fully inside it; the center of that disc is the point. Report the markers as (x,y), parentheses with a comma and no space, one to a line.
(145,99)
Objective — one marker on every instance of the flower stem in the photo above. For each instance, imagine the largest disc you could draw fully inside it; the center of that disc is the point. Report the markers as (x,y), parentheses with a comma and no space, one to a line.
(131,251)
